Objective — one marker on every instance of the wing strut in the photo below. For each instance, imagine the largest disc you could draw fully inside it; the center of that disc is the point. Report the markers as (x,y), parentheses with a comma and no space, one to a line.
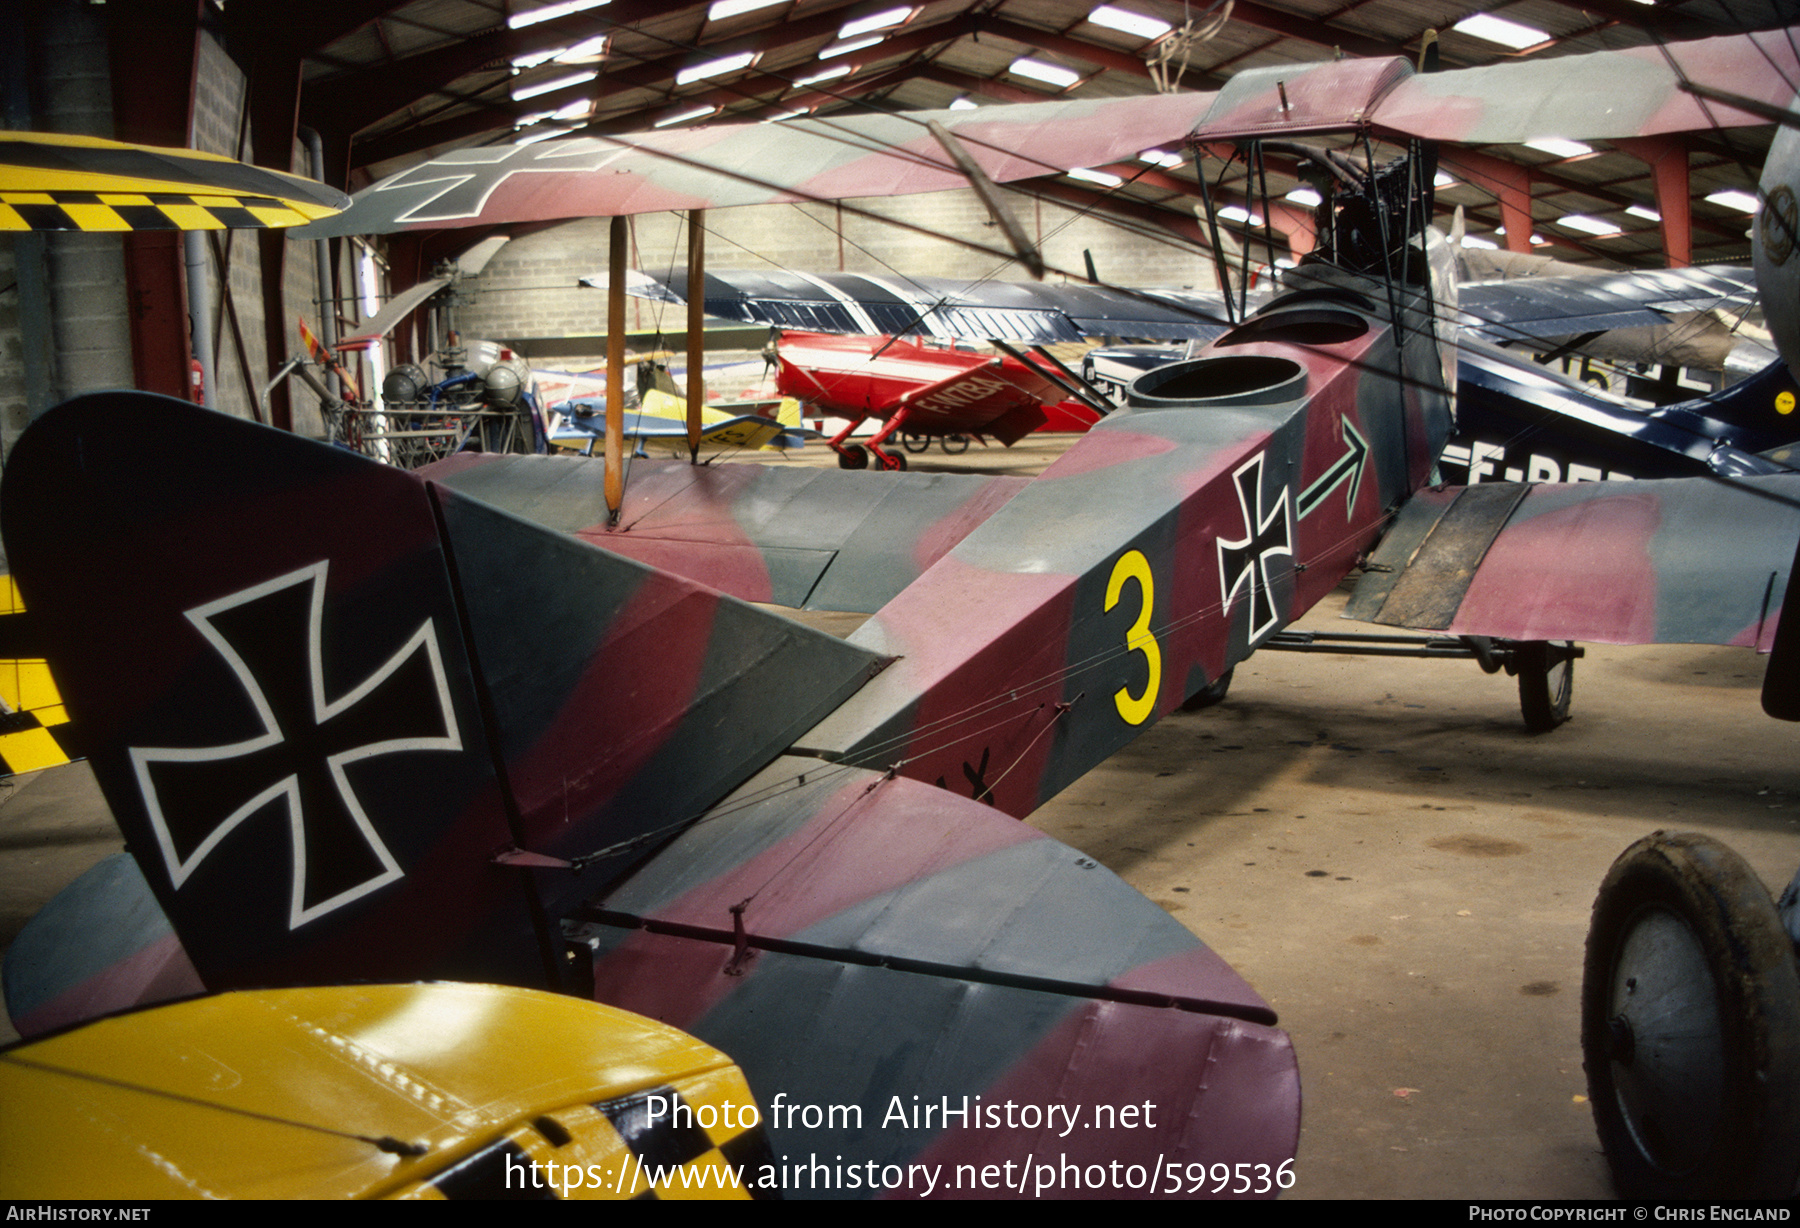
(696,342)
(615,372)
(990,196)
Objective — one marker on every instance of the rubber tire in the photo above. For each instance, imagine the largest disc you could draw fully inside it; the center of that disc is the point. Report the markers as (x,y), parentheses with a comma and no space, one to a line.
(916,443)
(854,456)
(894,462)
(1681,909)
(1212,693)
(1545,690)
(961,442)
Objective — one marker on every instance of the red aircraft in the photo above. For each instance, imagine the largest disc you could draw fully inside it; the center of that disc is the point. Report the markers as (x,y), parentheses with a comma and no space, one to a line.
(922,389)
(360,723)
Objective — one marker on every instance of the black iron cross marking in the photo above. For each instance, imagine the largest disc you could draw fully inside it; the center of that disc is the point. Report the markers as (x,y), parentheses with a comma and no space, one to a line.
(983,792)
(1247,559)
(269,636)
(977,777)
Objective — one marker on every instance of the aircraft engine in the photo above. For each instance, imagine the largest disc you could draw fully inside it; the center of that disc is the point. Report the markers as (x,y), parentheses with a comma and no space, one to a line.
(405,384)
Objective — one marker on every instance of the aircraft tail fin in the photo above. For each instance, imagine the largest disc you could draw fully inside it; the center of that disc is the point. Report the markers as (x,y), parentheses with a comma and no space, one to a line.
(335,706)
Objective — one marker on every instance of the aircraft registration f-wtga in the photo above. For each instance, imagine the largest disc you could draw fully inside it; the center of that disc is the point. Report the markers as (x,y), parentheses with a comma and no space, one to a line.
(365,724)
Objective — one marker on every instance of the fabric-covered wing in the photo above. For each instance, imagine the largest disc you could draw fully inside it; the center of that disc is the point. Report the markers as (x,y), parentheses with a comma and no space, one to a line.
(817,539)
(1608,94)
(1535,308)
(749,164)
(945,307)
(1690,560)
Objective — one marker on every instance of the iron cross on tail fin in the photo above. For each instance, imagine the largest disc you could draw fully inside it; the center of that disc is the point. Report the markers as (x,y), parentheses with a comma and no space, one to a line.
(325,694)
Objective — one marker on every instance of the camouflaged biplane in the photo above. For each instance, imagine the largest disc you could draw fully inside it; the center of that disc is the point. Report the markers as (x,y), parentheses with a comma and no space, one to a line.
(359,723)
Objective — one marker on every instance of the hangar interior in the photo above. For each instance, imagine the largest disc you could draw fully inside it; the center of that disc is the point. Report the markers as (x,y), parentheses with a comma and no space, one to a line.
(1435,999)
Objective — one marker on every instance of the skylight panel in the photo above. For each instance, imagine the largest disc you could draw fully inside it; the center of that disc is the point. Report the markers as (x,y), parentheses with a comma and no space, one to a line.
(876,21)
(550,12)
(1559,147)
(715,68)
(1129,23)
(737,8)
(1491,29)
(1050,74)
(521,92)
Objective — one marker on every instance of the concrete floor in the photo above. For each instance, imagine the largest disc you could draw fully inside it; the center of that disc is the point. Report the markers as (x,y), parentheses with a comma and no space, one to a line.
(1380,849)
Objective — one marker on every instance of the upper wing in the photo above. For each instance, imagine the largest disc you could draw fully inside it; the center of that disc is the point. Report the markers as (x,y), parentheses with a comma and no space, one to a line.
(1609,94)
(945,307)
(751,164)
(1533,308)
(1699,560)
(1639,91)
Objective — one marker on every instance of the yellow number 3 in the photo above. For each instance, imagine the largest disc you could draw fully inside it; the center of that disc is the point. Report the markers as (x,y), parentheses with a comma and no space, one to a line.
(1132,565)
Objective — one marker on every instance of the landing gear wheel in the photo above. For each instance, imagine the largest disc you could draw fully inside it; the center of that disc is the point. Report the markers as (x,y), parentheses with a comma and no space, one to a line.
(1212,693)
(1546,683)
(894,462)
(1690,1026)
(954,445)
(916,443)
(853,456)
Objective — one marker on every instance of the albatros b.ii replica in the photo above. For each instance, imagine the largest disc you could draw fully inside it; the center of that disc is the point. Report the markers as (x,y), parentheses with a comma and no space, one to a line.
(365,724)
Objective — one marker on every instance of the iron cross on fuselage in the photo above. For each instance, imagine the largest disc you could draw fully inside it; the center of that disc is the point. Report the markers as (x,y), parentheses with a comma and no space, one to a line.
(1246,560)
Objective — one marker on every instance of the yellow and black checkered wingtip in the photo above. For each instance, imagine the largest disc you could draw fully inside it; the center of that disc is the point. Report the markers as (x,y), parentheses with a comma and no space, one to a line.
(51,181)
(35,732)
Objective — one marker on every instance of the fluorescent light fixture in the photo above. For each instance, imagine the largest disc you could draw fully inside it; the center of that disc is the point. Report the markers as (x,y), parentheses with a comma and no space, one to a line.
(962,102)
(1102,178)
(1237,213)
(1559,147)
(1490,29)
(1129,23)
(534,58)
(1305,196)
(683,117)
(796,113)
(1643,211)
(845,48)
(737,8)
(1051,74)
(1586,224)
(1731,198)
(1539,241)
(1443,180)
(521,93)
(715,68)
(575,110)
(550,12)
(877,21)
(842,70)
(1478,241)
(1161,157)
(588,49)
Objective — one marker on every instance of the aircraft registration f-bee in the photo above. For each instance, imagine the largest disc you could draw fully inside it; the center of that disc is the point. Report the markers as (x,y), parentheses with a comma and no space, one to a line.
(364,724)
